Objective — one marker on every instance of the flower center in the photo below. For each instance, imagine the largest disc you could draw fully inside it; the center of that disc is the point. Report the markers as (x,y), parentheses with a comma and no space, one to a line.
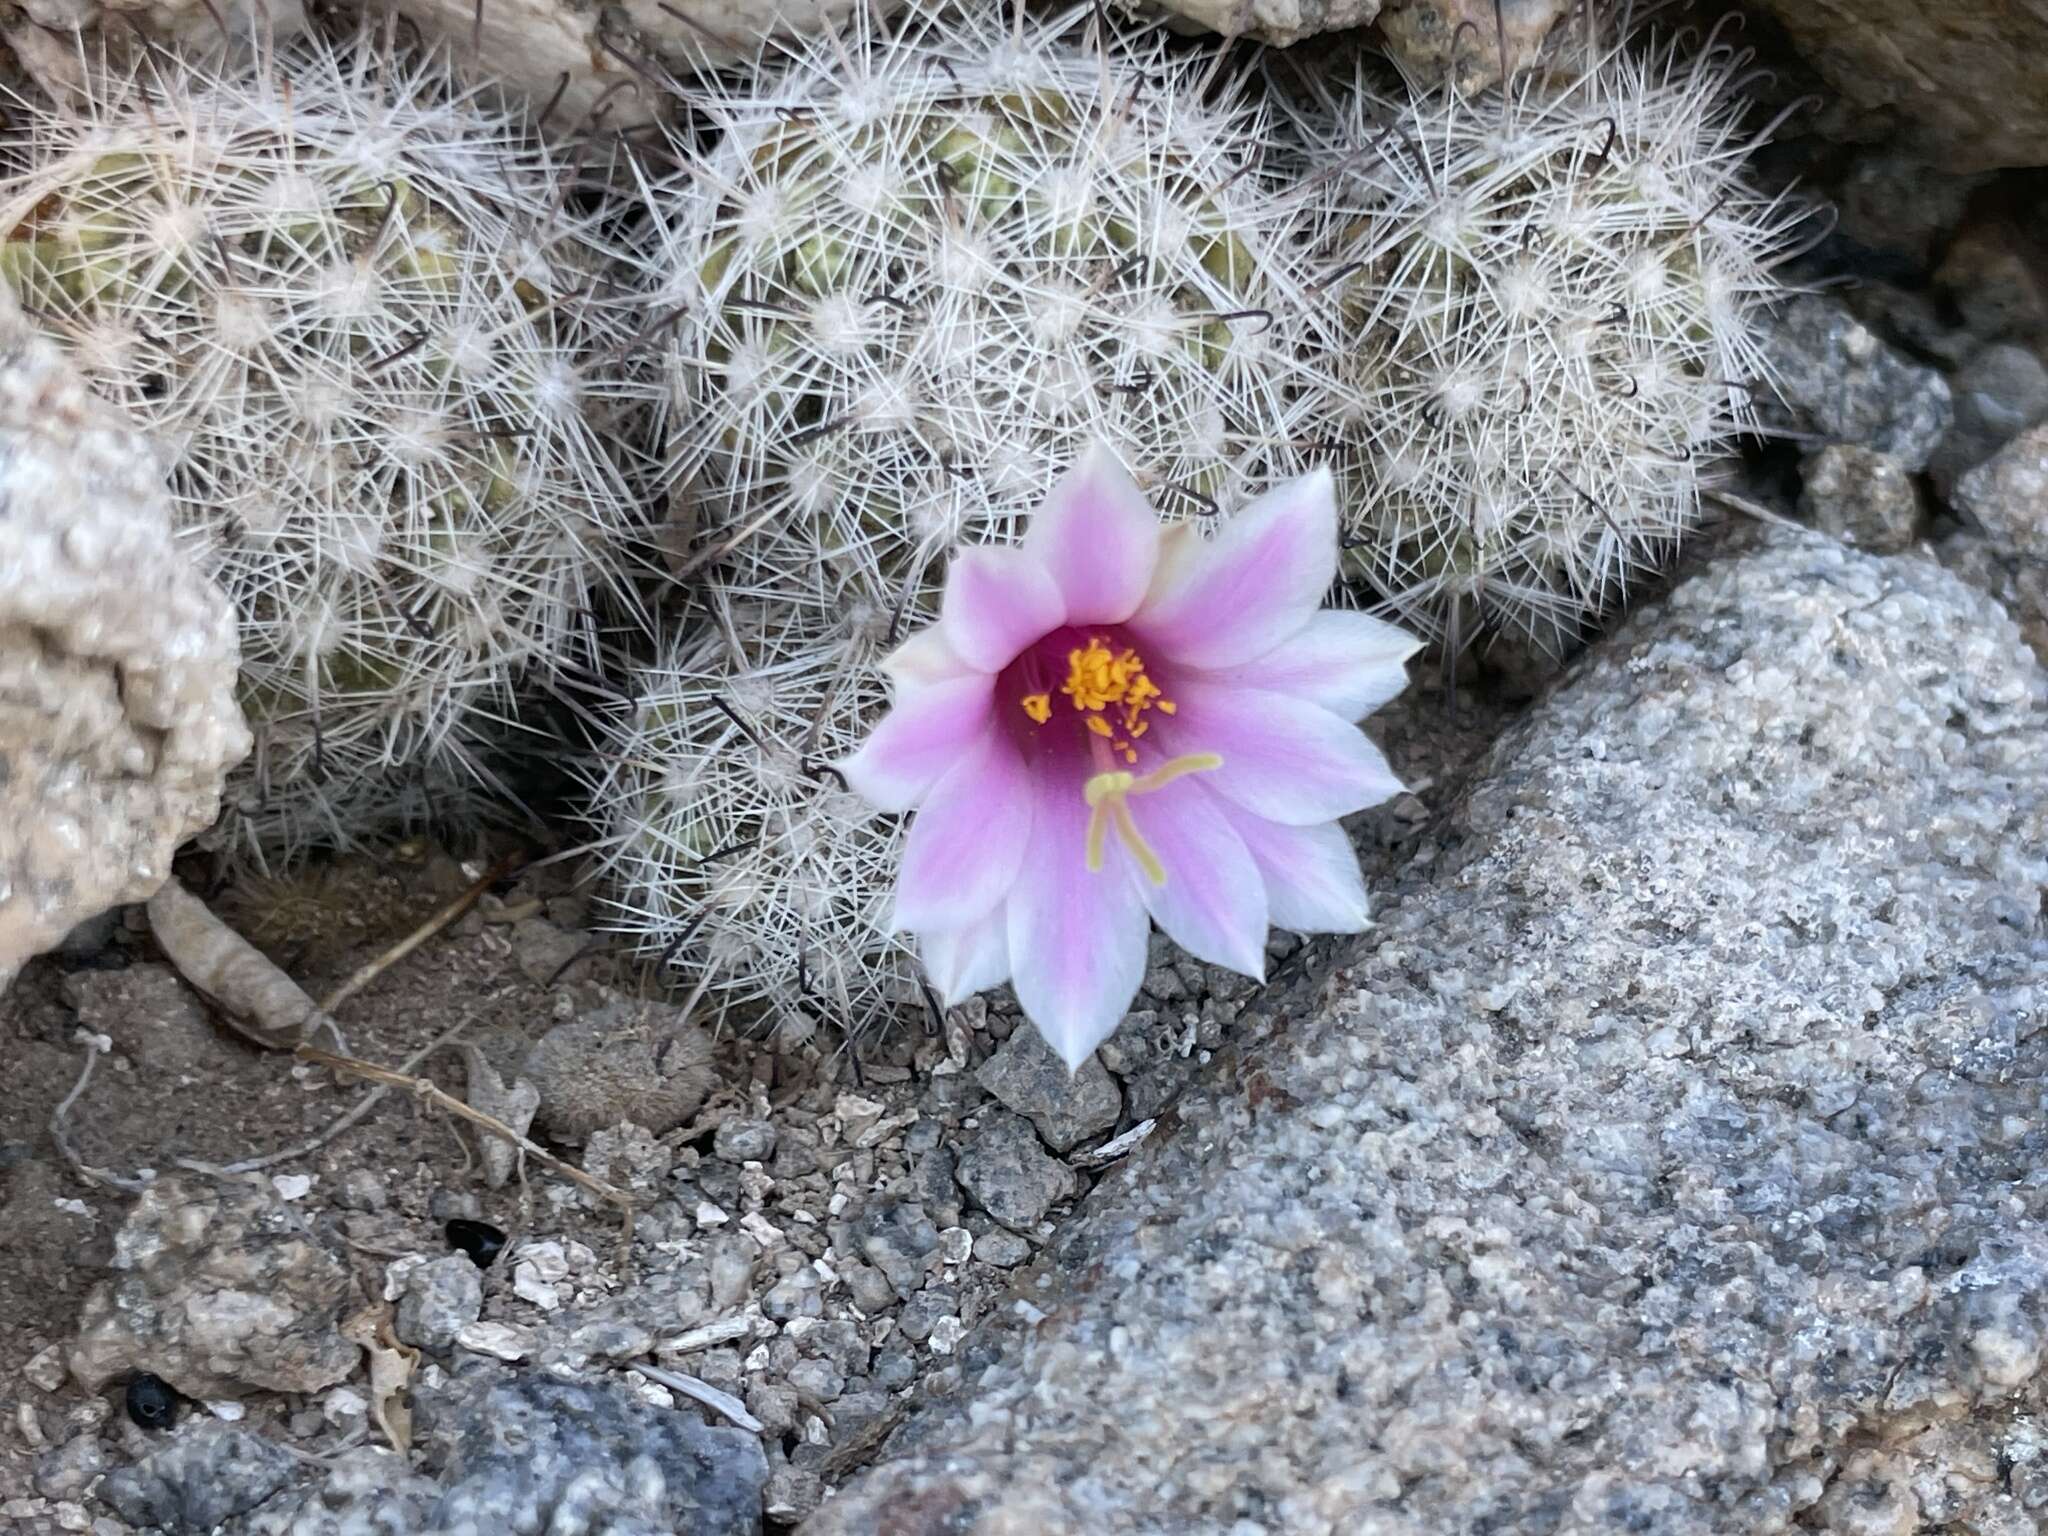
(1110,690)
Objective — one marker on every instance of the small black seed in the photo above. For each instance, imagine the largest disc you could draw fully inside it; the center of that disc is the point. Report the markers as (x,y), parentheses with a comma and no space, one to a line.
(479,1239)
(151,1402)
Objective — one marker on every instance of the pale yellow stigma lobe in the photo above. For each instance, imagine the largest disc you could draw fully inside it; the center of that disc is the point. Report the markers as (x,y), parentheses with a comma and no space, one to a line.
(1108,796)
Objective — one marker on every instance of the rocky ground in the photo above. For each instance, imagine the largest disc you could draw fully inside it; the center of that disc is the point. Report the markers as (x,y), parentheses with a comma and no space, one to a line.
(1668,1161)
(816,1232)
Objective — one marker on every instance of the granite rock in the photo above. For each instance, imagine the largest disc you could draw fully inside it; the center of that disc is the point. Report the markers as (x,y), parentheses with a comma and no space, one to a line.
(533,1453)
(595,56)
(1843,384)
(1007,1173)
(1999,393)
(1674,1140)
(1431,37)
(442,1297)
(1860,495)
(208,1474)
(1026,1076)
(2006,496)
(220,1290)
(529,1452)
(2019,585)
(118,720)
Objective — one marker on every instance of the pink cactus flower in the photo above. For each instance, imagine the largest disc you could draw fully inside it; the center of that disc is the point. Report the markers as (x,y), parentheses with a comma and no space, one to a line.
(1116,724)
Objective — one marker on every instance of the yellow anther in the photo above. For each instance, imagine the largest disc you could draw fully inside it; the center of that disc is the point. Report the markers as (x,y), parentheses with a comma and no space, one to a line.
(1108,796)
(1038,706)
(1099,679)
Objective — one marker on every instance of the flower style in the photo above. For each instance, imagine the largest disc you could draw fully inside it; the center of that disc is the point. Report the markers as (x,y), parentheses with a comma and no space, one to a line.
(1115,724)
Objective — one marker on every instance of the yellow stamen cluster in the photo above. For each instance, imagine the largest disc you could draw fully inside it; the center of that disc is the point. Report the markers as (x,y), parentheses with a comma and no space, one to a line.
(1108,796)
(1112,690)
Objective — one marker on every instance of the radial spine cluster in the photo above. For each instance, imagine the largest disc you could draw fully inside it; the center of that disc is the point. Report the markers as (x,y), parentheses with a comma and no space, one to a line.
(1537,322)
(928,263)
(392,377)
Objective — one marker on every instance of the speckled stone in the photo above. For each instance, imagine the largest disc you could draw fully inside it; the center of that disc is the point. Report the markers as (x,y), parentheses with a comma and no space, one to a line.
(1860,495)
(1675,1140)
(2007,495)
(1841,383)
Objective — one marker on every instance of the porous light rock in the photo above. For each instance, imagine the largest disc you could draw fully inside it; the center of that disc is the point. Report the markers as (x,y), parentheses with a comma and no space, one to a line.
(1672,1144)
(1427,36)
(1430,37)
(55,39)
(220,1290)
(118,718)
(608,60)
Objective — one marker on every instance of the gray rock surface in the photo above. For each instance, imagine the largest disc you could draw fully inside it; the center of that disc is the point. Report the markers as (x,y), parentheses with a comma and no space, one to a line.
(2020,585)
(118,720)
(442,1297)
(1965,82)
(1027,1077)
(1841,382)
(218,1289)
(634,1059)
(2007,495)
(530,1452)
(1999,393)
(1007,1173)
(1671,1148)
(208,1474)
(497,1453)
(1860,495)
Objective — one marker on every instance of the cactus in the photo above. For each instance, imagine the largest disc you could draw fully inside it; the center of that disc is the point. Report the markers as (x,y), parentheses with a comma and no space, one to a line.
(732,844)
(1537,324)
(927,264)
(344,297)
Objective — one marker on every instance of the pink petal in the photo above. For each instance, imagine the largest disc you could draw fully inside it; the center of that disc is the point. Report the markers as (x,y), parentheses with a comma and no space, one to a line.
(1213,904)
(1348,663)
(926,657)
(964,961)
(1252,586)
(1077,937)
(997,602)
(1099,538)
(967,841)
(1283,759)
(1313,884)
(924,735)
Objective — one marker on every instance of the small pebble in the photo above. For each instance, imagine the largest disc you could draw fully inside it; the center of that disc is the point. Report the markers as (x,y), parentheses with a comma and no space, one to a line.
(956,1245)
(744,1141)
(500,1340)
(1002,1248)
(46,1370)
